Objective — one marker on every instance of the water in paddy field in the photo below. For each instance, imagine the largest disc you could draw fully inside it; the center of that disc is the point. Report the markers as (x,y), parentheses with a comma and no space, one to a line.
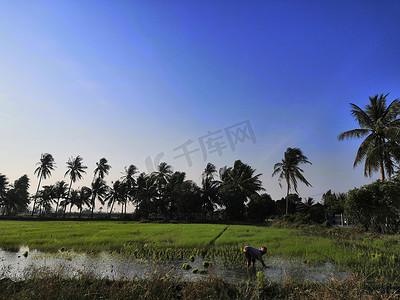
(115,266)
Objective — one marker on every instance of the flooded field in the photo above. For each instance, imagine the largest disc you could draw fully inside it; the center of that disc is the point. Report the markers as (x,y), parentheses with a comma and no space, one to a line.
(19,264)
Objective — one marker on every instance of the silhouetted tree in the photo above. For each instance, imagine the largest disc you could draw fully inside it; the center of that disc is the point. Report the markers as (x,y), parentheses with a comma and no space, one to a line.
(17,197)
(102,169)
(210,189)
(99,190)
(84,196)
(45,166)
(115,195)
(60,192)
(238,183)
(260,207)
(128,179)
(290,171)
(75,169)
(3,191)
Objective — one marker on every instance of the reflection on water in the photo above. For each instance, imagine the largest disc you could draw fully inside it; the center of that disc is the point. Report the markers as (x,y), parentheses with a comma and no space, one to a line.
(115,266)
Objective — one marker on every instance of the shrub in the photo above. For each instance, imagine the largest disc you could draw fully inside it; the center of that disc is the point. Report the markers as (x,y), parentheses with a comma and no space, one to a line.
(375,206)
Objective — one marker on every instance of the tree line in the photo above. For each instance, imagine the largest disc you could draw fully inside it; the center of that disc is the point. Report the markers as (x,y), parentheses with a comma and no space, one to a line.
(232,191)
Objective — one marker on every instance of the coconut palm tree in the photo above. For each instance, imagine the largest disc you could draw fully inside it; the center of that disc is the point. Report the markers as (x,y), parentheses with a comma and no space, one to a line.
(161,178)
(115,194)
(45,198)
(102,169)
(60,191)
(380,126)
(171,192)
(3,190)
(309,201)
(99,190)
(238,183)
(75,168)
(85,194)
(17,197)
(146,193)
(74,199)
(209,172)
(129,180)
(45,166)
(290,171)
(162,175)
(210,189)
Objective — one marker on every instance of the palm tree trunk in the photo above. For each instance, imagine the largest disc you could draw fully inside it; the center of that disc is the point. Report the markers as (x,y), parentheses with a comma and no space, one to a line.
(58,201)
(287,196)
(69,190)
(112,205)
(382,170)
(37,190)
(93,203)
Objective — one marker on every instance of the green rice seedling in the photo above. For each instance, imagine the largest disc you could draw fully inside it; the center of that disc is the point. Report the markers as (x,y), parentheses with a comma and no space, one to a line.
(206,264)
(186,266)
(261,276)
(203,272)
(195,271)
(191,258)
(25,253)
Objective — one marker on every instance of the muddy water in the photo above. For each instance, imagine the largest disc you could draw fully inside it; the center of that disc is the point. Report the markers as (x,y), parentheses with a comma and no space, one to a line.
(115,266)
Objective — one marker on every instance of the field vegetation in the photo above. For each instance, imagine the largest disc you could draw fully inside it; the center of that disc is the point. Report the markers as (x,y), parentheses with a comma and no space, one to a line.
(364,254)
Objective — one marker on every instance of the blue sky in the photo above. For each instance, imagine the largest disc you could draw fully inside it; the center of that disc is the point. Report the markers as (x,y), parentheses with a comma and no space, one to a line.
(127,80)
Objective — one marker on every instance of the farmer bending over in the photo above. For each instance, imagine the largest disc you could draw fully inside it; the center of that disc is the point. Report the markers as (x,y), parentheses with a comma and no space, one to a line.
(252,254)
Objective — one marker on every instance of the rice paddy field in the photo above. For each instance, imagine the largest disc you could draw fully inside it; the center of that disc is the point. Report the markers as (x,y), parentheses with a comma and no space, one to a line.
(373,258)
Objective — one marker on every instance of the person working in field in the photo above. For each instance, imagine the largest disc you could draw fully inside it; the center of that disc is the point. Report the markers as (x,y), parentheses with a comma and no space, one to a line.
(252,254)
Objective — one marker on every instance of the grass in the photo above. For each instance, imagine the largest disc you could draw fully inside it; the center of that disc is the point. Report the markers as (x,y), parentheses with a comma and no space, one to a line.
(372,256)
(96,236)
(45,285)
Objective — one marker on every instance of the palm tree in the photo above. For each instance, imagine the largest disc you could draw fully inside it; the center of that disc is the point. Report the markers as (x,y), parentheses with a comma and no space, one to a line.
(210,189)
(309,201)
(60,191)
(146,192)
(209,172)
(102,168)
(17,198)
(163,174)
(161,178)
(99,190)
(3,190)
(75,168)
(171,192)
(74,199)
(238,183)
(46,198)
(84,198)
(115,194)
(290,171)
(129,180)
(45,166)
(380,125)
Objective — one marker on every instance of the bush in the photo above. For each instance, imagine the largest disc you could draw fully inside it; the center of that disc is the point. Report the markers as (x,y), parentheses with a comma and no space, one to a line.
(375,206)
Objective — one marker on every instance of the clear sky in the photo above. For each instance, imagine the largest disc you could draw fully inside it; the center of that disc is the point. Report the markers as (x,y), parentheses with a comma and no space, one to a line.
(127,80)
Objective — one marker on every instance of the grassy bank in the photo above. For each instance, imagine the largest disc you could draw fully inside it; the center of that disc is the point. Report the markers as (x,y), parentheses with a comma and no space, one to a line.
(160,286)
